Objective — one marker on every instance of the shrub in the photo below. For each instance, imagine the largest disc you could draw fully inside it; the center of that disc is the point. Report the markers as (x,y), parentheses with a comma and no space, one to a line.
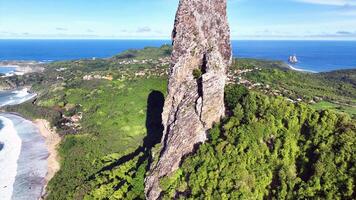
(197,73)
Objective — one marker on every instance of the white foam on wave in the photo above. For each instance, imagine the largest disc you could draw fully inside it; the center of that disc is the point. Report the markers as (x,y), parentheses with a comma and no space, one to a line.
(21,93)
(10,66)
(8,157)
(18,97)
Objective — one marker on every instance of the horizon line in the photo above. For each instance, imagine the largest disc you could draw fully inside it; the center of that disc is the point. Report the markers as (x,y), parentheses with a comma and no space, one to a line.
(169,39)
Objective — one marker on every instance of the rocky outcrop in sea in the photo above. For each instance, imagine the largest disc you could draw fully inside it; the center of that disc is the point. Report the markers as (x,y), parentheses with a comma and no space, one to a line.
(201,55)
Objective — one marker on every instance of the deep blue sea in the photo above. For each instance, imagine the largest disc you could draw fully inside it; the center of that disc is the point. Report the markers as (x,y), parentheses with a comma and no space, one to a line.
(313,55)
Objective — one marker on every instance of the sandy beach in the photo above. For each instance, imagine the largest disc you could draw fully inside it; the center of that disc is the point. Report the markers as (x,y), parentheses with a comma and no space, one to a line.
(52,141)
(301,70)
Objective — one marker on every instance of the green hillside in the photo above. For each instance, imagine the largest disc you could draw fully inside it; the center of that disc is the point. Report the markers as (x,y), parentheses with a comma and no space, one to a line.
(287,134)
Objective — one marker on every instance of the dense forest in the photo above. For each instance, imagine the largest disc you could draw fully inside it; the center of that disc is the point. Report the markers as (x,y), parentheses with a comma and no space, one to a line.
(290,137)
(270,149)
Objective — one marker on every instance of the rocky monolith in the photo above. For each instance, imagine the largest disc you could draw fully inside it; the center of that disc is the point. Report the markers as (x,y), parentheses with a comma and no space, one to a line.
(195,101)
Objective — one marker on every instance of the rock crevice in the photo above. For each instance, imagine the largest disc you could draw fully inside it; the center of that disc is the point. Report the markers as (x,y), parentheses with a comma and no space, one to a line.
(201,43)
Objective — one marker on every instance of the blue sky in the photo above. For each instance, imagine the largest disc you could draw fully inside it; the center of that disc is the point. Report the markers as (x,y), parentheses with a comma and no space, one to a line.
(153,19)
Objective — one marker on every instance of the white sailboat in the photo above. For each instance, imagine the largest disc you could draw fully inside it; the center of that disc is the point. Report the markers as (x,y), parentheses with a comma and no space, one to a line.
(293,59)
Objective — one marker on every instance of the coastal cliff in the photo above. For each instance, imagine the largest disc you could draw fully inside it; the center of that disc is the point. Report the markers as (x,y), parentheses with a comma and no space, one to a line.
(200,57)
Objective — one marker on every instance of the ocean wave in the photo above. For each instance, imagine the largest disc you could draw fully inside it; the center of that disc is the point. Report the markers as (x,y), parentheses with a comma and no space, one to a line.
(17,97)
(46,61)
(21,93)
(8,157)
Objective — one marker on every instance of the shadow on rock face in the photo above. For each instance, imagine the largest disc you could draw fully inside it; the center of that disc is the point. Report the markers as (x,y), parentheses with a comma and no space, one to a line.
(154,126)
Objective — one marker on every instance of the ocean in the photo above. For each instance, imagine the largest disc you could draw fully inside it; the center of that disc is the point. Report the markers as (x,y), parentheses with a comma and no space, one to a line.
(318,56)
(14,97)
(23,153)
(7,69)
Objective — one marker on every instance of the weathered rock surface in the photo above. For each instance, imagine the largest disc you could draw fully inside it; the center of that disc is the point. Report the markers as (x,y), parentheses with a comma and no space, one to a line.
(201,45)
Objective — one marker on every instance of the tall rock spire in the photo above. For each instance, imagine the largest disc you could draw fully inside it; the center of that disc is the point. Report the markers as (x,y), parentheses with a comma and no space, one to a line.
(200,57)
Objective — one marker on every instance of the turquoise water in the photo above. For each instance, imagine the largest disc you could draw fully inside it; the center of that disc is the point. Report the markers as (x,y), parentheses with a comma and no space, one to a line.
(6,69)
(313,55)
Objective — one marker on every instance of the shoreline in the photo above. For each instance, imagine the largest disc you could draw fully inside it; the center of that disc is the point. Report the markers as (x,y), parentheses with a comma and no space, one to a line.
(301,70)
(19,96)
(52,141)
(32,161)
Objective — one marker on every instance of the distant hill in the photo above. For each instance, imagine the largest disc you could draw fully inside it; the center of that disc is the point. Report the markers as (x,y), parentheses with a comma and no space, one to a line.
(346,76)
(338,88)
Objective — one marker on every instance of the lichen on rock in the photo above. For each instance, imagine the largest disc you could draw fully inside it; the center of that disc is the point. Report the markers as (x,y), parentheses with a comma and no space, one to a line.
(201,42)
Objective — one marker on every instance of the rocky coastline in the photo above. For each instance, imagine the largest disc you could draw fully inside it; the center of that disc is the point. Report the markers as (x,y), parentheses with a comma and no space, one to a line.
(23,67)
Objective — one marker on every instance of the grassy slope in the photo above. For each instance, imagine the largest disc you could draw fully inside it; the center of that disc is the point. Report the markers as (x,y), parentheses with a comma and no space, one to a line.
(113,122)
(114,117)
(323,105)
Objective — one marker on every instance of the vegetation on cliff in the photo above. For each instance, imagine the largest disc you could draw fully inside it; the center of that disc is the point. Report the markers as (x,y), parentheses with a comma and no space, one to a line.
(271,148)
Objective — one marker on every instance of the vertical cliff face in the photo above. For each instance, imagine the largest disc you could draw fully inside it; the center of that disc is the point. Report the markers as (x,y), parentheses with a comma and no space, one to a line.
(201,54)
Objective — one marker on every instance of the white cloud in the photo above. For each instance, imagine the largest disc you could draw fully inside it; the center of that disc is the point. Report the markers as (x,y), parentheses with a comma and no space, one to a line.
(331,2)
(349,13)
(144,29)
